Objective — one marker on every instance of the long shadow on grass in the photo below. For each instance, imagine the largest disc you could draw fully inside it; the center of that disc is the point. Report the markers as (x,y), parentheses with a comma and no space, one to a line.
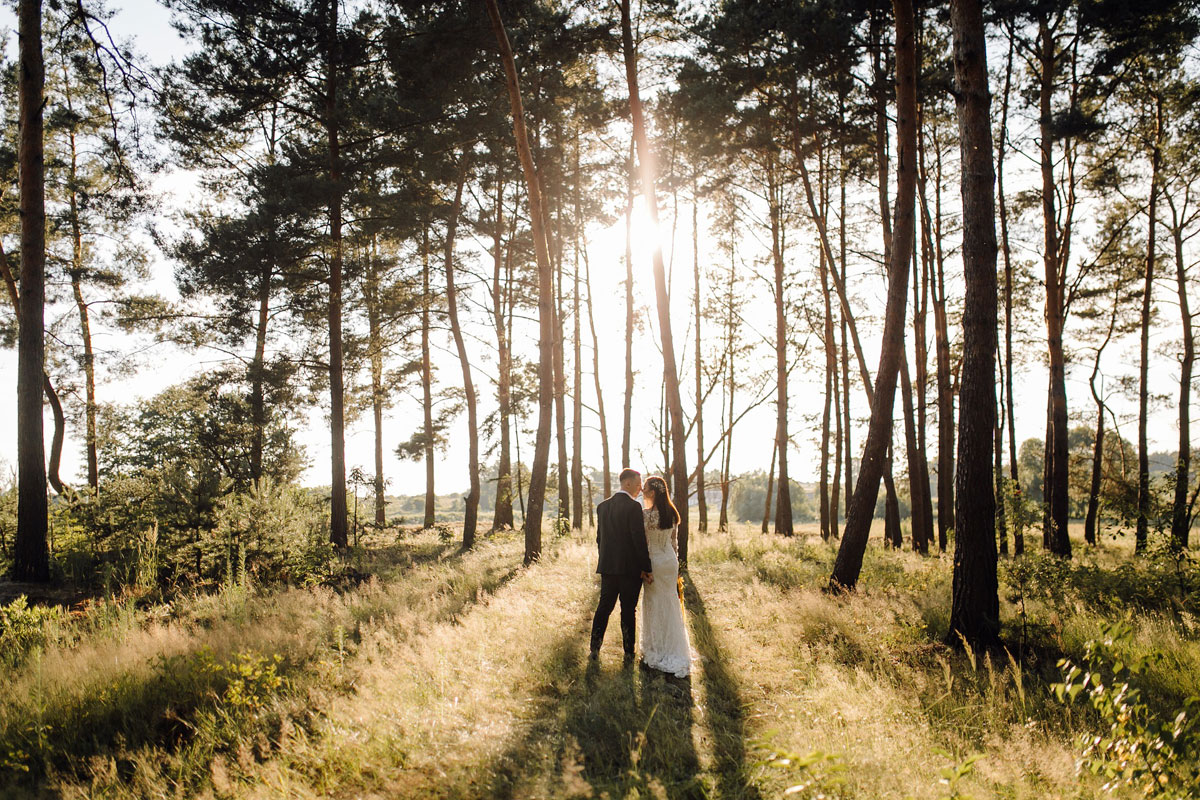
(724,703)
(162,706)
(601,727)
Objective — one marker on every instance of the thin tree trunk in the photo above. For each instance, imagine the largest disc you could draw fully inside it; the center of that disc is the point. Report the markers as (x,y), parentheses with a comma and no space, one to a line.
(258,402)
(338,533)
(701,500)
(1055,533)
(503,517)
(915,488)
(604,454)
(975,611)
(1143,520)
(471,505)
(628,418)
(577,404)
(1093,507)
(1179,508)
(847,449)
(427,383)
(766,522)
(31,556)
(862,507)
(560,372)
(828,524)
(670,371)
(783,510)
(537,478)
(1001,149)
(85,326)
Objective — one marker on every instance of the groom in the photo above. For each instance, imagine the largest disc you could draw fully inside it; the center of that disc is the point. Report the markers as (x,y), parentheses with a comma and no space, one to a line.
(624,560)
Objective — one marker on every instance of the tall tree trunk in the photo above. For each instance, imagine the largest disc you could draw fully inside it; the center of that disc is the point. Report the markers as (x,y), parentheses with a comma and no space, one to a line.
(577,393)
(975,611)
(701,500)
(1179,508)
(998,474)
(427,383)
(31,556)
(670,371)
(730,378)
(847,449)
(891,505)
(471,505)
(85,325)
(1143,519)
(1055,533)
(628,418)
(258,400)
(828,524)
(604,454)
(1010,414)
(537,477)
(560,372)
(503,517)
(338,532)
(1093,507)
(879,433)
(783,510)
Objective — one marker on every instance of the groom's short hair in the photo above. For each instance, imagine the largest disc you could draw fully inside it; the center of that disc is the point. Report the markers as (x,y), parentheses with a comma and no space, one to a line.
(628,474)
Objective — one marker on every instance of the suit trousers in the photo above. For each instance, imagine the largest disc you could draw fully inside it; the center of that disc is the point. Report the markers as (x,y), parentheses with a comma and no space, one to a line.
(626,588)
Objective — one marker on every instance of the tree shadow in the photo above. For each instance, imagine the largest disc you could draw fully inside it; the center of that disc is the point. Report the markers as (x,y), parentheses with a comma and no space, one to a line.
(725,713)
(599,727)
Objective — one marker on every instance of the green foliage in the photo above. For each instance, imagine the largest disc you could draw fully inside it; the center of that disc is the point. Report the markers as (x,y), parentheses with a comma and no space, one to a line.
(24,628)
(814,775)
(1139,747)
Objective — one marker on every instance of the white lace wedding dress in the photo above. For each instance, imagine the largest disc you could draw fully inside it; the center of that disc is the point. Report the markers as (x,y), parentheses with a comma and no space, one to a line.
(664,638)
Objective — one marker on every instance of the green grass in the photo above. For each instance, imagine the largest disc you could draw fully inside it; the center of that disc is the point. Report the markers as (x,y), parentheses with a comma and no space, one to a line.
(454,675)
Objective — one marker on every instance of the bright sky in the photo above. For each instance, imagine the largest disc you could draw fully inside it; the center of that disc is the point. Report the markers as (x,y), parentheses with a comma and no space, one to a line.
(147,23)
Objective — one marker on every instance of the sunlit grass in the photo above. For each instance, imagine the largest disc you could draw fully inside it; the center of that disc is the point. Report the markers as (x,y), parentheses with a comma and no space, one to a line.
(463,676)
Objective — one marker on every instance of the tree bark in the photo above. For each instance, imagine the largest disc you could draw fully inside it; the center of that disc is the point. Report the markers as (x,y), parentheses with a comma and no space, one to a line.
(537,477)
(826,512)
(628,418)
(427,384)
(1055,534)
(783,495)
(471,505)
(975,610)
(879,433)
(916,489)
(31,556)
(338,532)
(1143,520)
(577,393)
(670,371)
(701,500)
(85,325)
(503,517)
(1179,508)
(606,464)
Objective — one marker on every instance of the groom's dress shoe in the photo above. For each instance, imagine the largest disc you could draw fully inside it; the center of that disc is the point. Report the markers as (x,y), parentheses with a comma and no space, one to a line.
(593,655)
(629,658)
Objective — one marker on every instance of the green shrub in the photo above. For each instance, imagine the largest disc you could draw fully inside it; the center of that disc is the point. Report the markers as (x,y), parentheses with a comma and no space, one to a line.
(24,628)
(1139,747)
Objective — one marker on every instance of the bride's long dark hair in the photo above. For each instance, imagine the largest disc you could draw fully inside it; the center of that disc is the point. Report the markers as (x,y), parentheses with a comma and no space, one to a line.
(668,515)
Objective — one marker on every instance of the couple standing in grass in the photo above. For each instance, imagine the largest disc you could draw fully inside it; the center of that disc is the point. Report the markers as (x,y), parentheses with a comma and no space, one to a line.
(639,544)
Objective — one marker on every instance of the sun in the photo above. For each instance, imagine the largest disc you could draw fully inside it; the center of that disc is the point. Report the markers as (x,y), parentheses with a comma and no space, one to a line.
(606,245)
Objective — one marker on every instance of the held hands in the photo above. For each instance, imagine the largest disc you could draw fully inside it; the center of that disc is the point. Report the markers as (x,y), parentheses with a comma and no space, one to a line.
(648,578)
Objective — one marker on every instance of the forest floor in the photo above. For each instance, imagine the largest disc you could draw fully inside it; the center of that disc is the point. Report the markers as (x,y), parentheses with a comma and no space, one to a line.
(451,675)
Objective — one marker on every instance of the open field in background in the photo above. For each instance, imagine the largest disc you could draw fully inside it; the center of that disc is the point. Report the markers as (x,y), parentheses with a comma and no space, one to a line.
(465,675)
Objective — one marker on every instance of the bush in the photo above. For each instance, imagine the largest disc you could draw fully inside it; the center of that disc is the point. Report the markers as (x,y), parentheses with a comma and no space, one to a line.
(24,628)
(1139,748)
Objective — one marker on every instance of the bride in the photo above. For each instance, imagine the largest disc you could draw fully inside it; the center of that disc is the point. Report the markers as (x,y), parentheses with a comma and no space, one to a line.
(664,637)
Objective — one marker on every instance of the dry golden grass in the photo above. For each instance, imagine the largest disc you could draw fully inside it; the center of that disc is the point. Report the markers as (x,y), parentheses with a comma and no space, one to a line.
(464,676)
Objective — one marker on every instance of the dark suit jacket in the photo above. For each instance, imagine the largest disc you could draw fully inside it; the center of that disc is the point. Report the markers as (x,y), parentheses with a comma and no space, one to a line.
(621,536)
